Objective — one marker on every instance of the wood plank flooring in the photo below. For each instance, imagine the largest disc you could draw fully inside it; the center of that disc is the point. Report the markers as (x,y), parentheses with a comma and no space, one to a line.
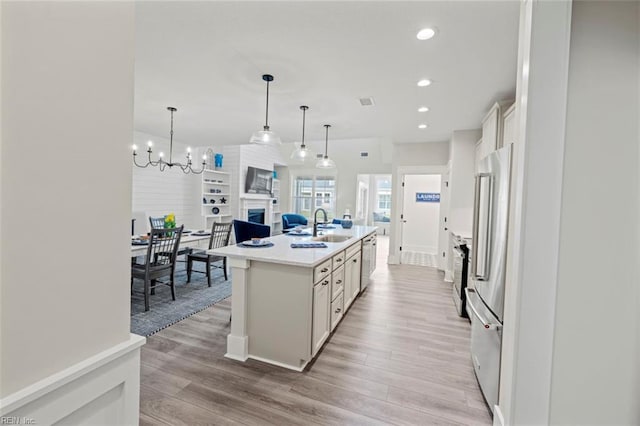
(400,356)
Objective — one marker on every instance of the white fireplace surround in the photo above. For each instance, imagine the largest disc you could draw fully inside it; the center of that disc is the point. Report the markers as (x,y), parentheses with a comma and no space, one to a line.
(257,202)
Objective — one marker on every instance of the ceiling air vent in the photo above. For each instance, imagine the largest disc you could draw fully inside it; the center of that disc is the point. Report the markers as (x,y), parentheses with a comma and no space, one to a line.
(364,154)
(367,101)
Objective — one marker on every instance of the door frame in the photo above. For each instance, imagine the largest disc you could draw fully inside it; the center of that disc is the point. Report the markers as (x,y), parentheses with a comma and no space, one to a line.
(397,197)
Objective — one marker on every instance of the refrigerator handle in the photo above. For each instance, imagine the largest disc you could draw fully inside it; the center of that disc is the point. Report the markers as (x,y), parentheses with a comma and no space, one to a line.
(484,322)
(477,205)
(475,223)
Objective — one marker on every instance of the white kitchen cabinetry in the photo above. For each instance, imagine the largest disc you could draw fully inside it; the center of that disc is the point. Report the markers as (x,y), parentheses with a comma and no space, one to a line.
(492,131)
(352,278)
(215,198)
(509,122)
(321,315)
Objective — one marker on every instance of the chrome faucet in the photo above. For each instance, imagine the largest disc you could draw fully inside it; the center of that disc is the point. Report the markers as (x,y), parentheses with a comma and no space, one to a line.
(315,220)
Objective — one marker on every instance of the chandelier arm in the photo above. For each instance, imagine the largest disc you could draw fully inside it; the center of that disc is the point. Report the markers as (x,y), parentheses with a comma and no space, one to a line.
(136,163)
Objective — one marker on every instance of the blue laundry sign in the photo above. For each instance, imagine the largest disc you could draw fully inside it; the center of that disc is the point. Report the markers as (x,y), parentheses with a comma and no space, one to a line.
(427,197)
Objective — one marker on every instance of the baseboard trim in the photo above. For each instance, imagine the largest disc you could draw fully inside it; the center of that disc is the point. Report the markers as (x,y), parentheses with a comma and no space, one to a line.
(104,386)
(448,276)
(498,418)
(393,260)
(279,364)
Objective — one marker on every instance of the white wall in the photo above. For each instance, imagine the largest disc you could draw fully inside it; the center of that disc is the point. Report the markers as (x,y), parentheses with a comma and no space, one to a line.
(594,360)
(157,193)
(422,156)
(570,342)
(67,126)
(421,232)
(462,163)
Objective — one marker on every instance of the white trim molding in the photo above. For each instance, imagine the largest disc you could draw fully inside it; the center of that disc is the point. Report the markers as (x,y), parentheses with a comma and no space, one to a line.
(395,236)
(103,389)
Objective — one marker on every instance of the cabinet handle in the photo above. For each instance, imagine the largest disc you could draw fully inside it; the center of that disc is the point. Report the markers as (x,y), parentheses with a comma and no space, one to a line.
(324,270)
(338,310)
(325,282)
(339,282)
(355,260)
(339,259)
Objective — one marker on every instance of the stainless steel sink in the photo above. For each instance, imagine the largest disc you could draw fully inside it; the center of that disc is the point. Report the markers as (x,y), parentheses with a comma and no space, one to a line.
(332,238)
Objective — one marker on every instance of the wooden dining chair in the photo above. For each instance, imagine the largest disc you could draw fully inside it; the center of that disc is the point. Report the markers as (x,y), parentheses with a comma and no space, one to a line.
(220,234)
(156,222)
(159,263)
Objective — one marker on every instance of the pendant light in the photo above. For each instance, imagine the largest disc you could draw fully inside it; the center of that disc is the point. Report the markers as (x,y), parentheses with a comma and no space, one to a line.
(302,153)
(266,136)
(160,163)
(325,162)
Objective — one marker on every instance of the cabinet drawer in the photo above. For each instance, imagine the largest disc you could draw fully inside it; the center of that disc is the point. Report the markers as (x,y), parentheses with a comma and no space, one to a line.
(339,259)
(337,282)
(322,270)
(337,309)
(352,249)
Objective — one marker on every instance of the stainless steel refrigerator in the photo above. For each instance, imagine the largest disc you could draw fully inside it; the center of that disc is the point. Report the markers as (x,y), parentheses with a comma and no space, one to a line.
(485,301)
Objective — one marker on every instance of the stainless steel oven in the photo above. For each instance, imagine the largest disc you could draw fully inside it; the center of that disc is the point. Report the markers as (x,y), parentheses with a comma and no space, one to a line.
(460,276)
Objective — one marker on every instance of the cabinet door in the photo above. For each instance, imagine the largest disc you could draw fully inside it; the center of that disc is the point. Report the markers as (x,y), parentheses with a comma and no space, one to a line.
(490,130)
(351,279)
(321,314)
(509,133)
(355,276)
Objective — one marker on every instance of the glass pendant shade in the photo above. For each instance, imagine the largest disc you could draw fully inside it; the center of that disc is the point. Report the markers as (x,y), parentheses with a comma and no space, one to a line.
(325,162)
(266,136)
(302,153)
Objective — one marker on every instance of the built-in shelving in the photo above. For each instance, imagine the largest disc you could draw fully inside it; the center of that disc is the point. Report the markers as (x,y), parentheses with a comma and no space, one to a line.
(276,215)
(212,179)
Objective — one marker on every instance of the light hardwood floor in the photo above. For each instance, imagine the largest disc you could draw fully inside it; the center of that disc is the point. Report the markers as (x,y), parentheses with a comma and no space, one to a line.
(400,356)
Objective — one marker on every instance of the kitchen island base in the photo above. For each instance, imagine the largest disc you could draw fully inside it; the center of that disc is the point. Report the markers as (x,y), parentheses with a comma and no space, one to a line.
(283,310)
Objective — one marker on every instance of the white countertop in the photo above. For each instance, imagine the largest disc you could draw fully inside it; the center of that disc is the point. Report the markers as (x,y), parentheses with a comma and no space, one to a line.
(281,251)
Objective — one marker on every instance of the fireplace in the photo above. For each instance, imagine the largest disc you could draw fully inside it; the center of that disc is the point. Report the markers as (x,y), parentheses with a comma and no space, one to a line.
(256,215)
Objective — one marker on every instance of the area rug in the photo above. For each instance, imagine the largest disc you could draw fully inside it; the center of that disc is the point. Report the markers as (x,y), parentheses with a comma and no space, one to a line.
(190,299)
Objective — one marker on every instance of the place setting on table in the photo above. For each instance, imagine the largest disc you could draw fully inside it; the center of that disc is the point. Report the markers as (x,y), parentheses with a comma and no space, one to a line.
(256,243)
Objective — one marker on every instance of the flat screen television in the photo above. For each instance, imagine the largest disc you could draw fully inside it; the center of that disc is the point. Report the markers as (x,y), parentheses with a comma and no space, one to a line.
(259,181)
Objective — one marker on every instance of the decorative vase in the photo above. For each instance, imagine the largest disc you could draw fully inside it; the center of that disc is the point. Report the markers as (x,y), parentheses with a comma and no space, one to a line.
(347,223)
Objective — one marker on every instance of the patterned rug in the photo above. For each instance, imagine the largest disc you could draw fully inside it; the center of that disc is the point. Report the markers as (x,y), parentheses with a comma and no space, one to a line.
(419,258)
(190,299)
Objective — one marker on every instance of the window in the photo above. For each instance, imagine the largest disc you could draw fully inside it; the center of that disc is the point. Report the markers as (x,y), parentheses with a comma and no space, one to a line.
(316,191)
(384,201)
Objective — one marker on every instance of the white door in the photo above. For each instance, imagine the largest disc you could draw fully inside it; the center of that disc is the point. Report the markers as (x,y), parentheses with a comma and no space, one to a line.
(420,218)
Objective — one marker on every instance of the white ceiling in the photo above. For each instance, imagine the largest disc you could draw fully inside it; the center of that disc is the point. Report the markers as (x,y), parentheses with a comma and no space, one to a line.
(207,58)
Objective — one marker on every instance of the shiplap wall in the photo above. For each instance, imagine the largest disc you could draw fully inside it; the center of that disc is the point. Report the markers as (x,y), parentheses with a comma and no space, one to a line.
(157,193)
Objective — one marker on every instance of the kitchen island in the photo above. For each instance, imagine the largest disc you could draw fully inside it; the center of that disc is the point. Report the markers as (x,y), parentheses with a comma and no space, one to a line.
(286,301)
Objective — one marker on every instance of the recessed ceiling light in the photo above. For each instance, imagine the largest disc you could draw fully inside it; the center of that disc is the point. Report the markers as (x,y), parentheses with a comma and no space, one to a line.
(425,34)
(422,126)
(424,83)
(423,109)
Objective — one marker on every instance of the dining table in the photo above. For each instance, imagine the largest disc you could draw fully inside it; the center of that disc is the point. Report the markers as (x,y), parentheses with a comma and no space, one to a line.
(186,241)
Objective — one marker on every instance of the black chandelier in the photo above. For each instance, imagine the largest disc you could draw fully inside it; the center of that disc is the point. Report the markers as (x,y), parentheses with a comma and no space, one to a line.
(160,163)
